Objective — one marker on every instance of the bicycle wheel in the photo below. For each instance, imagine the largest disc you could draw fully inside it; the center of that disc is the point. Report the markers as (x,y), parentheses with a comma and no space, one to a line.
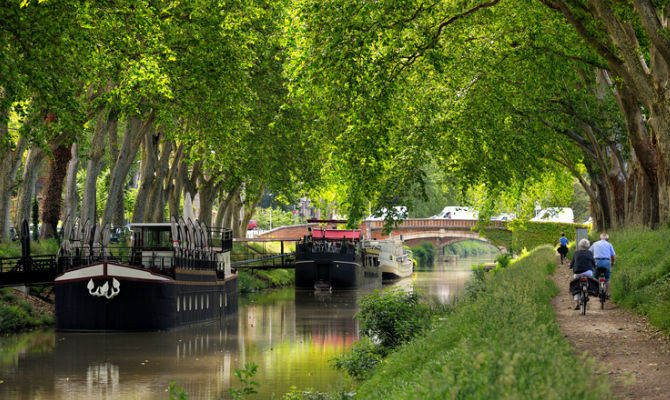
(603,297)
(582,302)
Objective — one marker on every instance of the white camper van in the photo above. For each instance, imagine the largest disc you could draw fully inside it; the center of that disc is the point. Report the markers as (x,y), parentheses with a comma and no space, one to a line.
(555,214)
(457,212)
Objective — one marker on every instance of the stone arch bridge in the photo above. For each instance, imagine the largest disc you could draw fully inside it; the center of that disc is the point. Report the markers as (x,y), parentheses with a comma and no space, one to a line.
(413,231)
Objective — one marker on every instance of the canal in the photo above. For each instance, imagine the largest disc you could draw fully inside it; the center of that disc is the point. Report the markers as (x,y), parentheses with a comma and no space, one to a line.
(290,335)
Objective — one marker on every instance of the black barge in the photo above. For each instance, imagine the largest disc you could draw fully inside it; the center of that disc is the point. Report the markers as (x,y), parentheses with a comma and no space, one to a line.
(174,274)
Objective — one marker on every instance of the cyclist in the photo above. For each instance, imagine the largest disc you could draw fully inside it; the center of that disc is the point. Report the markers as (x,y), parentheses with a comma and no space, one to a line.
(582,264)
(604,254)
(563,248)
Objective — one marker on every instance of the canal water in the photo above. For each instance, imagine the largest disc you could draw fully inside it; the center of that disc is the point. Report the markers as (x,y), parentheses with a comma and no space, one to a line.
(291,335)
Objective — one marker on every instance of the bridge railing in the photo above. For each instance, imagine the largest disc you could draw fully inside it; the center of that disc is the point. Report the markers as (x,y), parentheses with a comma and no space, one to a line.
(426,223)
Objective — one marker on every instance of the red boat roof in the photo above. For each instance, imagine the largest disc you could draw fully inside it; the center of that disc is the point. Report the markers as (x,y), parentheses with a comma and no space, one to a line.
(335,234)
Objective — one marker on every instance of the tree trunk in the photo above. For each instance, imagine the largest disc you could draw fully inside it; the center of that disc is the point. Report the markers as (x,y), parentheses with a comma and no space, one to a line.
(118,219)
(54,190)
(250,207)
(157,193)
(105,122)
(147,174)
(228,207)
(164,192)
(135,131)
(31,171)
(177,184)
(71,195)
(236,220)
(9,166)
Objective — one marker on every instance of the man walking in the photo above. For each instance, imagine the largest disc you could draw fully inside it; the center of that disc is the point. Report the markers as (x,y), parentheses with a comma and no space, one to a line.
(603,252)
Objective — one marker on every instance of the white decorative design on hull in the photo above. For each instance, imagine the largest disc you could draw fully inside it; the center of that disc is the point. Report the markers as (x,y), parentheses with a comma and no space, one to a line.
(104,290)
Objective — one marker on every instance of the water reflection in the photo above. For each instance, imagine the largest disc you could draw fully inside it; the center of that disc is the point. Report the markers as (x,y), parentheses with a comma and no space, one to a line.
(290,334)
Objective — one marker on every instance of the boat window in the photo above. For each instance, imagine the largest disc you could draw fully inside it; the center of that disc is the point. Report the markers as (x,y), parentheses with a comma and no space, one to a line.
(177,303)
(220,300)
(225,298)
(208,302)
(184,299)
(202,302)
(190,302)
(157,238)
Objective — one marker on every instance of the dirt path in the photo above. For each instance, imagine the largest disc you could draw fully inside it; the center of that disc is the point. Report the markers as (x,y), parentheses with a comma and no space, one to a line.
(635,355)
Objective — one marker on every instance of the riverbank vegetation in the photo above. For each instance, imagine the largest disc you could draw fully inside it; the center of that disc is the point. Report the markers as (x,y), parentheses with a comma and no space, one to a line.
(20,312)
(424,254)
(641,274)
(255,280)
(523,234)
(470,248)
(13,249)
(499,340)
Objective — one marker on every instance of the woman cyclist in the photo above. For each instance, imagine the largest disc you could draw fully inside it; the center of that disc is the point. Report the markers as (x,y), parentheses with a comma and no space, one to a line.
(582,264)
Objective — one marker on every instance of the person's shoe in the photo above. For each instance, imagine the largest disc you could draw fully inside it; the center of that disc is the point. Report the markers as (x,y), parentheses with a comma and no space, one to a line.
(608,297)
(577,306)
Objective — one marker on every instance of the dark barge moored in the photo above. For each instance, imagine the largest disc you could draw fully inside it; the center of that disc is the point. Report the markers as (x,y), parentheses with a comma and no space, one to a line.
(157,284)
(336,259)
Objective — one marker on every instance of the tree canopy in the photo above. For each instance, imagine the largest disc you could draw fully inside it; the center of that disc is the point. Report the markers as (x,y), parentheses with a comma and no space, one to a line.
(370,105)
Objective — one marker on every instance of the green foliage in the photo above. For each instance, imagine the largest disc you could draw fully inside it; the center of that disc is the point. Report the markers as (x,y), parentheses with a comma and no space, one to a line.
(503,260)
(176,392)
(252,281)
(361,361)
(17,315)
(278,216)
(392,317)
(7,295)
(470,248)
(245,376)
(641,275)
(297,394)
(387,320)
(504,343)
(13,249)
(522,234)
(424,254)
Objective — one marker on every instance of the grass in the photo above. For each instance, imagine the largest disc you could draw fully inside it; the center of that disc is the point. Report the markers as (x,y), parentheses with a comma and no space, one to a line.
(500,341)
(17,315)
(253,281)
(641,274)
(13,249)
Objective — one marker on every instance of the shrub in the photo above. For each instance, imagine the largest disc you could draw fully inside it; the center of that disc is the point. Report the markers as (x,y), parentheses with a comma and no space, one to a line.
(424,254)
(392,317)
(361,361)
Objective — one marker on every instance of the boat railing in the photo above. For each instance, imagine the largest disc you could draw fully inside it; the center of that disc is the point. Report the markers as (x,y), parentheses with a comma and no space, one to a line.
(159,260)
(224,235)
(327,247)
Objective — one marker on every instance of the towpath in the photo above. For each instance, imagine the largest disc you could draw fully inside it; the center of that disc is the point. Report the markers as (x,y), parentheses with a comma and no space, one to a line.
(634,354)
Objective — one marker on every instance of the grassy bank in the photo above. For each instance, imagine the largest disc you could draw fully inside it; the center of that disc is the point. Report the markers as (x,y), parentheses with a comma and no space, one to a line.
(500,341)
(13,249)
(20,312)
(254,281)
(641,274)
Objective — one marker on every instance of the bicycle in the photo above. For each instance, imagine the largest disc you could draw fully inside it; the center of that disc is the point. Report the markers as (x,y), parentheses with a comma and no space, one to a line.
(602,286)
(583,293)
(583,286)
(563,251)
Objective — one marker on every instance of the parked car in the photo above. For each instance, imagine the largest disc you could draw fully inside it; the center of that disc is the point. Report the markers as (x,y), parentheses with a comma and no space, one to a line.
(253,225)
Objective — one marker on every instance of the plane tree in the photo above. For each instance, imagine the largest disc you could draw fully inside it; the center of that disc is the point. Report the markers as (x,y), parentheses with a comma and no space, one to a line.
(500,95)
